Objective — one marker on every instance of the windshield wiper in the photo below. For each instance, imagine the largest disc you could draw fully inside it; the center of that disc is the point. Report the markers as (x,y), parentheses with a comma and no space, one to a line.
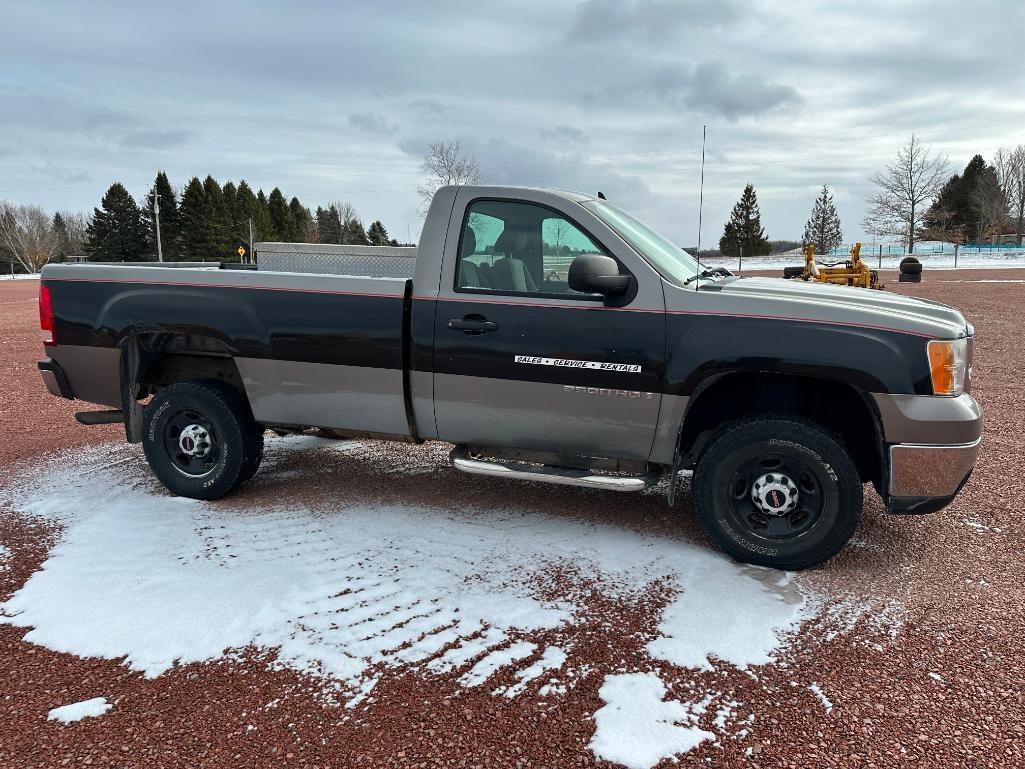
(715,272)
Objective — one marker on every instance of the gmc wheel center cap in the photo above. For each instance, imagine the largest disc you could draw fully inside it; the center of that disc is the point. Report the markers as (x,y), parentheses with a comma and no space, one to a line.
(774,494)
(194,441)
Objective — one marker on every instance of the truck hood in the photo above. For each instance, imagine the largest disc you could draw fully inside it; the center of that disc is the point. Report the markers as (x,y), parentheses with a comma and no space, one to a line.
(840,304)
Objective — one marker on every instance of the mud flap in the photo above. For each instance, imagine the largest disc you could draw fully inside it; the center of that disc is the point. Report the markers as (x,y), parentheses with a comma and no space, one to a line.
(674,476)
(130,407)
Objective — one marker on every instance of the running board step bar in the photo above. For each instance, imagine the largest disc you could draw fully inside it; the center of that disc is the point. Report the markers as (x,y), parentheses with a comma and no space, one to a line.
(566,476)
(100,417)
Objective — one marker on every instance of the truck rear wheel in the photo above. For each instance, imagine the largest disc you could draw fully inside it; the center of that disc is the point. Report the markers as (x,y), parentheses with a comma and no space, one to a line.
(777,491)
(200,438)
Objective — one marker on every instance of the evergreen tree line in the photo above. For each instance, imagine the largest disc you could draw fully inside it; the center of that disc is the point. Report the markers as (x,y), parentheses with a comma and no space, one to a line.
(210,221)
(982,202)
(743,234)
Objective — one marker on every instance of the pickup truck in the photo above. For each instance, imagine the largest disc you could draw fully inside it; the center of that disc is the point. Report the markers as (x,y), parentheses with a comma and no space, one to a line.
(550,336)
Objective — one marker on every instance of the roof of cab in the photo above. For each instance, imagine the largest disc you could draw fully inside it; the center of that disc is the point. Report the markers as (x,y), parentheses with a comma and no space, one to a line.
(500,190)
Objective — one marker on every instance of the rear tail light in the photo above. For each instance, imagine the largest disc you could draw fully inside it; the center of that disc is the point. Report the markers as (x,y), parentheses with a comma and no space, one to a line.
(46,316)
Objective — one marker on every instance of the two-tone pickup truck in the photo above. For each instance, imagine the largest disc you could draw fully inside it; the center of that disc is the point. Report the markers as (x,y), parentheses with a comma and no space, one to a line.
(551,337)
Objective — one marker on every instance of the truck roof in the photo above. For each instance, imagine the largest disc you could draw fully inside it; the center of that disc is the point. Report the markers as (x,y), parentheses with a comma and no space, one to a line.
(512,190)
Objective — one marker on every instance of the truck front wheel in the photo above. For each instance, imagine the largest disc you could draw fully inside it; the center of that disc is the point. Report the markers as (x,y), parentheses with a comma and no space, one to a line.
(200,438)
(777,491)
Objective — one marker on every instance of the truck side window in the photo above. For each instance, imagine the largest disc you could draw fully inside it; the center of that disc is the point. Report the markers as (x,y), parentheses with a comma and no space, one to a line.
(518,248)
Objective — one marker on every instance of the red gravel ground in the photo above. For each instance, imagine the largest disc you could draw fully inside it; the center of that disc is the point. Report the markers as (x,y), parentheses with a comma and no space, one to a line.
(959,588)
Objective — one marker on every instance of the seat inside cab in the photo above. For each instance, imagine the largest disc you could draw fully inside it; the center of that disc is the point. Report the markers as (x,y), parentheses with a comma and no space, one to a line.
(516,247)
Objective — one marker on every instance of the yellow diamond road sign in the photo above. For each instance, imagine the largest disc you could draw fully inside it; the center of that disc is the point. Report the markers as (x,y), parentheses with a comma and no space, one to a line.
(241,251)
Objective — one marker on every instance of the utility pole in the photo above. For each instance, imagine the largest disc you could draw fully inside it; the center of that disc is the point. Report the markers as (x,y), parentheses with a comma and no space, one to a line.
(156,216)
(701,206)
(252,253)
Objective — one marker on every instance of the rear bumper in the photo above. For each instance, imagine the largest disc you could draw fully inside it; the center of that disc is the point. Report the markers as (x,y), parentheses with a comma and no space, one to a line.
(55,379)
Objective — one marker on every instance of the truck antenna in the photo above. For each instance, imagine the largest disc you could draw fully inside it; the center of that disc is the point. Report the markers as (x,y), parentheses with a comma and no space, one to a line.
(601,195)
(701,206)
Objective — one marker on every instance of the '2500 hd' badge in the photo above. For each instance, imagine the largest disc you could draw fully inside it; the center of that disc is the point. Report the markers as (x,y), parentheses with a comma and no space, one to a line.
(590,364)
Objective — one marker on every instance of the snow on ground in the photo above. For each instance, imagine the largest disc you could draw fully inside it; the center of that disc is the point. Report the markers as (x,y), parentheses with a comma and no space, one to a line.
(163,580)
(347,591)
(826,702)
(637,728)
(5,556)
(20,277)
(67,714)
(945,261)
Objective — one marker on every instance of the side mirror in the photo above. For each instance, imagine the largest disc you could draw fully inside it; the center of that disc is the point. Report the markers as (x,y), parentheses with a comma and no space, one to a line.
(597,274)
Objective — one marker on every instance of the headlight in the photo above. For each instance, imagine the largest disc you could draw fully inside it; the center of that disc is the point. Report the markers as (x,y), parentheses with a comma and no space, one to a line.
(948,363)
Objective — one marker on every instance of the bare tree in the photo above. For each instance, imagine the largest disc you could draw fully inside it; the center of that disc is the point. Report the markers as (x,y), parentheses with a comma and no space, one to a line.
(27,237)
(906,187)
(990,206)
(446,164)
(1010,165)
(943,228)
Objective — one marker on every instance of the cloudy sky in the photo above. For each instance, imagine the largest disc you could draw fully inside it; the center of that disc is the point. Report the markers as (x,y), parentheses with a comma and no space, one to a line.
(338,100)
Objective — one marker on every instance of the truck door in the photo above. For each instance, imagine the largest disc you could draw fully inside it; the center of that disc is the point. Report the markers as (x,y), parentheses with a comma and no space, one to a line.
(521,360)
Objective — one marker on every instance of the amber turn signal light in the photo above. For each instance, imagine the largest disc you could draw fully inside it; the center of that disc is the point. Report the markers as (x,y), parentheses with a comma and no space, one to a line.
(947,364)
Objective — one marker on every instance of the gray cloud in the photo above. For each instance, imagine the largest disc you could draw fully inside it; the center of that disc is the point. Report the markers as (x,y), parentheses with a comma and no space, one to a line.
(157,139)
(563,133)
(373,123)
(617,20)
(607,94)
(708,88)
(61,173)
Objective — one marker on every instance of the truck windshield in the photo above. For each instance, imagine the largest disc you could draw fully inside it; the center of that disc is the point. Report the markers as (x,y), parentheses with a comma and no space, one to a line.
(670,260)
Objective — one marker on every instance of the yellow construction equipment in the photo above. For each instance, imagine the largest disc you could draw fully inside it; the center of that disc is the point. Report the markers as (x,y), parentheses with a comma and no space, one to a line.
(853,272)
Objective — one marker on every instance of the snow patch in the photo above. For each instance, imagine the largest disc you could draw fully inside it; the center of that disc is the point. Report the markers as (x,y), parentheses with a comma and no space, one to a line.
(637,728)
(826,702)
(552,659)
(743,630)
(76,711)
(496,660)
(5,556)
(161,580)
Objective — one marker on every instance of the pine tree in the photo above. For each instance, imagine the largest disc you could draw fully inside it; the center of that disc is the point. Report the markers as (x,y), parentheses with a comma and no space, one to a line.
(218,226)
(237,221)
(280,216)
(116,232)
(334,225)
(823,227)
(60,231)
(744,229)
(955,208)
(303,229)
(193,215)
(170,220)
(377,234)
(353,233)
(263,224)
(329,225)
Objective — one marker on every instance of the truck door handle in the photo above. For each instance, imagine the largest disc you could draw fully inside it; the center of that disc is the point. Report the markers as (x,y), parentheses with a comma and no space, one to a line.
(472,324)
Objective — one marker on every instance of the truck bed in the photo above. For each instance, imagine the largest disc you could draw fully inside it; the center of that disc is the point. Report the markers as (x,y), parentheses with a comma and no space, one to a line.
(323,349)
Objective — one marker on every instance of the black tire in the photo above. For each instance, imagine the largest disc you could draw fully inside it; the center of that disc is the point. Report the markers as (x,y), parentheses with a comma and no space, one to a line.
(914,268)
(200,438)
(793,272)
(814,521)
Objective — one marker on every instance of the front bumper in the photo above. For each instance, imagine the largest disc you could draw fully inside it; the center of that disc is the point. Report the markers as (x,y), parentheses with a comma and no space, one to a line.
(932,443)
(926,478)
(55,379)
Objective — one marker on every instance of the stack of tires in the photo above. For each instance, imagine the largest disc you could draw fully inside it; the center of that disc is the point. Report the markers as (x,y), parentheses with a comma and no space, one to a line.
(910,270)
